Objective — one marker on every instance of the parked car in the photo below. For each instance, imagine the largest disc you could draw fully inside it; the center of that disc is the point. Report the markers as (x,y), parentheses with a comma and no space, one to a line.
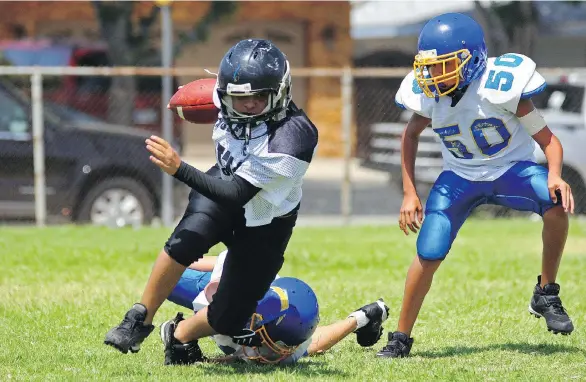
(563,106)
(95,172)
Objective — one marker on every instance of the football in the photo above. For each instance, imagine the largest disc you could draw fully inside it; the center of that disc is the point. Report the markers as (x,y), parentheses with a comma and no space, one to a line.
(194,102)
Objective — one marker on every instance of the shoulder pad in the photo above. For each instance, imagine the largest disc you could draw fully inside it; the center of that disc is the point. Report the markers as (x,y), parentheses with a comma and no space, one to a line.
(411,97)
(295,136)
(508,79)
(535,86)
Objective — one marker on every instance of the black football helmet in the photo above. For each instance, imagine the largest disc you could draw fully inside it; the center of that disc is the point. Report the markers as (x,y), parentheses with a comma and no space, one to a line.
(252,67)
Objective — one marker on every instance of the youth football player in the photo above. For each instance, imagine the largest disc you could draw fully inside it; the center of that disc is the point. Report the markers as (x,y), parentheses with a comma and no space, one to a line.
(285,321)
(248,200)
(481,110)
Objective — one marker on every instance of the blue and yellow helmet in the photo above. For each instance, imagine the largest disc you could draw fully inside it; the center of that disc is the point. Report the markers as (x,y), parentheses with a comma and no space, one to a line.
(285,318)
(451,37)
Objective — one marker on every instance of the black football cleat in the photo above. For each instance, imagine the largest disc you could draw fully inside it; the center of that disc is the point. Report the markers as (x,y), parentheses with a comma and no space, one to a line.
(178,353)
(377,313)
(131,332)
(546,303)
(398,346)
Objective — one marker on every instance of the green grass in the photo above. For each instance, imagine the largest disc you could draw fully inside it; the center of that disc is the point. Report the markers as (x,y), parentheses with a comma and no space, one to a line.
(62,288)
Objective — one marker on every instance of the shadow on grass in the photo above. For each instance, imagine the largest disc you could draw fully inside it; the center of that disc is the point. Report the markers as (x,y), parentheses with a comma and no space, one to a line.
(308,367)
(525,348)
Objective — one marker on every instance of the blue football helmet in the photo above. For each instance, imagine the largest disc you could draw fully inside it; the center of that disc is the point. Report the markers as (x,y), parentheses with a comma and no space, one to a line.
(446,39)
(285,318)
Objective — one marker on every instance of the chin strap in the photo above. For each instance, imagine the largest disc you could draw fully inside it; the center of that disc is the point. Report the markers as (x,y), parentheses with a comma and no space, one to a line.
(247,136)
(212,73)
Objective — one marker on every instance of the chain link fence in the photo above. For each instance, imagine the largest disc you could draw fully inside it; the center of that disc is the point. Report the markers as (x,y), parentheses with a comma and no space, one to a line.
(72,143)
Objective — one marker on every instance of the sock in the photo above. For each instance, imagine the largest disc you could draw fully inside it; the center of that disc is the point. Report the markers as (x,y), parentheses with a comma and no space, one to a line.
(361,319)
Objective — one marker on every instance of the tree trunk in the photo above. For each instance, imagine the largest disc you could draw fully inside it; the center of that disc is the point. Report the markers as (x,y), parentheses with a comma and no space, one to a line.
(527,30)
(121,100)
(115,20)
(128,47)
(495,33)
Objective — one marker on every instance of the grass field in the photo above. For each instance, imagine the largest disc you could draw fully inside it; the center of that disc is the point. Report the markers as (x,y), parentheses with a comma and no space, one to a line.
(62,288)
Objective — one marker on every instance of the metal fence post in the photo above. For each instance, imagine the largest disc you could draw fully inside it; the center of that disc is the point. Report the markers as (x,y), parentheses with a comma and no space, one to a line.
(167,118)
(38,148)
(346,187)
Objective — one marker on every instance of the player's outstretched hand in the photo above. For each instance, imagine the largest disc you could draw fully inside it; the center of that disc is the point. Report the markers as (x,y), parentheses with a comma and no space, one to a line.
(555,183)
(411,214)
(164,155)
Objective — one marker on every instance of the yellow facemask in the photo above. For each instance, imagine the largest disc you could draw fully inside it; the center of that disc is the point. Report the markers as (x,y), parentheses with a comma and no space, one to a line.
(270,352)
(427,83)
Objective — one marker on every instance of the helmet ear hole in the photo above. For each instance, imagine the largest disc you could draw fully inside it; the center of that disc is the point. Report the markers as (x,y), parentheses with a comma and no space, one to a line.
(476,60)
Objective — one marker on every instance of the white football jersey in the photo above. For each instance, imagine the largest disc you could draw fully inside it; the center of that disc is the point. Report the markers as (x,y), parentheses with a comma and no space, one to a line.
(274,160)
(481,136)
(225,343)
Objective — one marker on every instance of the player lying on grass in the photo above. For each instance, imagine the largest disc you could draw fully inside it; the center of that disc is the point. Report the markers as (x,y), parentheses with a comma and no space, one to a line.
(285,322)
(248,200)
(482,111)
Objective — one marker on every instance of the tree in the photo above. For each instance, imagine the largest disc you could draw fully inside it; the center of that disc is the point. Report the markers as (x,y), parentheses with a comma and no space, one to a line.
(130,44)
(510,27)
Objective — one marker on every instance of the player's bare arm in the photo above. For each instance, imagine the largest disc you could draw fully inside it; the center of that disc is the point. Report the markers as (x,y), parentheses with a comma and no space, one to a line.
(327,336)
(553,151)
(411,214)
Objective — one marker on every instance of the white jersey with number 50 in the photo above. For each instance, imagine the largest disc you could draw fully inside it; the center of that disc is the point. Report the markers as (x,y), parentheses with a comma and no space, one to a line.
(481,135)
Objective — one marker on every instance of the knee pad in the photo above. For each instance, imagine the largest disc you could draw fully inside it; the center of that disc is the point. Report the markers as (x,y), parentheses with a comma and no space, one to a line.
(527,183)
(542,199)
(195,234)
(185,247)
(435,238)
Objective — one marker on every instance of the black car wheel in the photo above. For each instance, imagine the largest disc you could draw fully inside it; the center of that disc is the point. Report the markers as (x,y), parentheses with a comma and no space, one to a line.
(117,202)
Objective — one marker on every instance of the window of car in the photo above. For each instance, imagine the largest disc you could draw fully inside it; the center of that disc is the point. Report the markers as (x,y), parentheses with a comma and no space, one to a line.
(14,121)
